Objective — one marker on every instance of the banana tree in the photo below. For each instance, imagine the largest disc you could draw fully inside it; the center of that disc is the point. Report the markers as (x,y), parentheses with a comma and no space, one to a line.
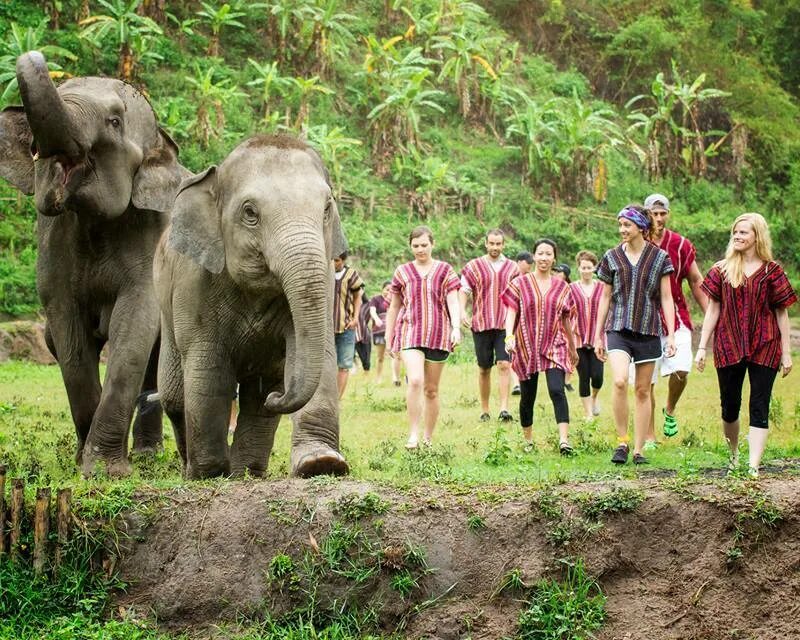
(304,88)
(333,145)
(271,83)
(210,93)
(219,17)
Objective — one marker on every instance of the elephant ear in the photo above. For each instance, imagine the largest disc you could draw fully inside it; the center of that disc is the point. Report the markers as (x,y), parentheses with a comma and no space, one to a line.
(195,230)
(16,163)
(338,239)
(159,176)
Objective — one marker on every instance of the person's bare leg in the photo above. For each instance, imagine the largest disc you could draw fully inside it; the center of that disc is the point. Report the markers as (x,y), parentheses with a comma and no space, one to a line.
(380,352)
(484,388)
(677,384)
(643,409)
(757,442)
(527,433)
(588,407)
(504,381)
(433,373)
(341,381)
(415,370)
(232,419)
(620,362)
(731,430)
(650,434)
(563,432)
(396,365)
(595,404)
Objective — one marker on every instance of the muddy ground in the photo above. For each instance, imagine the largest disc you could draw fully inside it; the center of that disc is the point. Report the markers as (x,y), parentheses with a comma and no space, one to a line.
(709,560)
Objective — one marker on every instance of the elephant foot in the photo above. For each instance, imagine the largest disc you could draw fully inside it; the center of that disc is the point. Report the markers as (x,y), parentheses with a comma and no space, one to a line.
(318,462)
(207,470)
(93,463)
(147,449)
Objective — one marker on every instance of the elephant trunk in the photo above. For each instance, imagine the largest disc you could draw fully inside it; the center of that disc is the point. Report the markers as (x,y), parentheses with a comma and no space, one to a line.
(305,279)
(49,120)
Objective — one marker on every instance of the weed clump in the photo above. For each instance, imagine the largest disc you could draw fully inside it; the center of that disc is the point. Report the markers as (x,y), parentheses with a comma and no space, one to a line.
(354,506)
(499,452)
(618,500)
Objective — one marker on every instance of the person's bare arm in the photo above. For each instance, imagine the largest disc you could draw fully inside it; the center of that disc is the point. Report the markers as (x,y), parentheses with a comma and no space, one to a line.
(668,309)
(463,297)
(567,325)
(391,319)
(782,315)
(455,316)
(376,320)
(709,324)
(695,279)
(511,319)
(602,314)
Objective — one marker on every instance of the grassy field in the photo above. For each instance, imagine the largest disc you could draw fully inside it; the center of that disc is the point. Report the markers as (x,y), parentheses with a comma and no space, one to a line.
(37,439)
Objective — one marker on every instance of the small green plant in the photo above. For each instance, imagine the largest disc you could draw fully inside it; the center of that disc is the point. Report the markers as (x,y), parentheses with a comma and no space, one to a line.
(564,610)
(403,582)
(548,504)
(776,412)
(430,463)
(733,556)
(499,451)
(511,582)
(354,506)
(559,533)
(280,566)
(618,500)
(796,415)
(475,522)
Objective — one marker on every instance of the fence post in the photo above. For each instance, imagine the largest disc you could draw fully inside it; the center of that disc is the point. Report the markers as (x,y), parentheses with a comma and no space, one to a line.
(2,509)
(17,508)
(63,518)
(41,530)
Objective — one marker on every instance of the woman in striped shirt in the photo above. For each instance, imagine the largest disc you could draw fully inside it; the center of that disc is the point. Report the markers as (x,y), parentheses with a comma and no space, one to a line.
(636,287)
(539,338)
(422,327)
(748,300)
(586,293)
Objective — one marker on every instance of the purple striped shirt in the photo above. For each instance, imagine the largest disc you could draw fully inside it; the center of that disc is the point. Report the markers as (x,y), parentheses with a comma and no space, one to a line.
(423,319)
(487,285)
(586,312)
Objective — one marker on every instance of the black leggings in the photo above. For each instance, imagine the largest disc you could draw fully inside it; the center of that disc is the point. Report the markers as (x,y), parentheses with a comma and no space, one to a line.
(363,350)
(555,387)
(589,369)
(731,380)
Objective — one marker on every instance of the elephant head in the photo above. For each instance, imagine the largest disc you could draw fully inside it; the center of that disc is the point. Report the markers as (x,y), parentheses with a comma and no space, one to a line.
(91,145)
(267,217)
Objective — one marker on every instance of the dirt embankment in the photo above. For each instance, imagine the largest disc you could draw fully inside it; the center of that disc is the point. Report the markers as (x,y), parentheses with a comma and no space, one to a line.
(24,340)
(685,561)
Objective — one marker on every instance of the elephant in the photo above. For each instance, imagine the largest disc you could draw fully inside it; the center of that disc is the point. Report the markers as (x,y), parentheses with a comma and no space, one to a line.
(104,177)
(244,278)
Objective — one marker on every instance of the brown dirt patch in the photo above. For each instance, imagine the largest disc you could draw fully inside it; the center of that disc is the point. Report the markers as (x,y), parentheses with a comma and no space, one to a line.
(205,556)
(24,340)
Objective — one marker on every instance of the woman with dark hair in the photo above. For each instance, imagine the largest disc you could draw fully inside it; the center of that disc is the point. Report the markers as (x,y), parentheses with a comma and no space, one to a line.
(539,338)
(587,292)
(422,328)
(378,306)
(748,300)
(636,287)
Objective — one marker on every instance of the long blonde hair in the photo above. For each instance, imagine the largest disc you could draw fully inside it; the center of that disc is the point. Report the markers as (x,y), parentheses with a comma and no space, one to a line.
(732,266)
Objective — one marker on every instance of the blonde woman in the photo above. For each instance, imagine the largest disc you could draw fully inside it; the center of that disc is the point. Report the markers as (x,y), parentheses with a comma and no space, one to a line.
(749,296)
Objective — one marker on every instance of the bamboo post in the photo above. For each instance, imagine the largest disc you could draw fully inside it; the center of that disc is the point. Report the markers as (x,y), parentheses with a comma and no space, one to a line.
(2,509)
(41,530)
(17,508)
(63,517)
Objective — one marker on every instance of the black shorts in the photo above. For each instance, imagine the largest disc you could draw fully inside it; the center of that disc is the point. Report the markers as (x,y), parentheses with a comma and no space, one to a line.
(378,338)
(431,355)
(639,347)
(490,347)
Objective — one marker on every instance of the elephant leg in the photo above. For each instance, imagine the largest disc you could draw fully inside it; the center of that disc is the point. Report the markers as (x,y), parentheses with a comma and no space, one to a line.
(71,336)
(170,388)
(133,330)
(255,431)
(147,425)
(209,384)
(315,436)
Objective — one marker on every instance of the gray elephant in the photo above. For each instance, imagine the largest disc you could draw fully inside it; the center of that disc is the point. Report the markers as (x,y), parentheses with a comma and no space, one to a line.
(245,282)
(104,177)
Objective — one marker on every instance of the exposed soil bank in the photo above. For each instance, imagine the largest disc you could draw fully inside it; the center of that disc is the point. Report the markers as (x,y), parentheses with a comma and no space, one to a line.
(691,561)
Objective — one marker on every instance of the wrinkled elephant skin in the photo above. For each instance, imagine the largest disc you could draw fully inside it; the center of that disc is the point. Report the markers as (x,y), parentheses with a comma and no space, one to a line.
(245,283)
(104,177)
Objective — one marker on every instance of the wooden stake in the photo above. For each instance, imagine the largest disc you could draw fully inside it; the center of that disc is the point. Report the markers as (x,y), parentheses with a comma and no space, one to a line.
(63,519)
(2,509)
(17,508)
(41,530)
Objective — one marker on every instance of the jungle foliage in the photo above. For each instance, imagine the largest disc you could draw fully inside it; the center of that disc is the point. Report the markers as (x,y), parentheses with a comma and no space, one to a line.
(542,117)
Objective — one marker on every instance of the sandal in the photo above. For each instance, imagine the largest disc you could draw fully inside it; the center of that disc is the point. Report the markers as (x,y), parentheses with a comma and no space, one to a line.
(412,444)
(565,449)
(527,447)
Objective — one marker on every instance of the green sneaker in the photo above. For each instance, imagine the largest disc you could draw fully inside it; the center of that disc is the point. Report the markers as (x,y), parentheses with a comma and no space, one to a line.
(670,424)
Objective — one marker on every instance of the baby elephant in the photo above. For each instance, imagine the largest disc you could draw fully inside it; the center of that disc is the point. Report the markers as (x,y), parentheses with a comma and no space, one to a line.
(245,284)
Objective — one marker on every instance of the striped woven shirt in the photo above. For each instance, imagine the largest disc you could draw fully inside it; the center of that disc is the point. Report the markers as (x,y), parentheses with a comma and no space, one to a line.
(586,312)
(487,284)
(747,328)
(381,305)
(541,342)
(635,289)
(682,254)
(344,298)
(423,319)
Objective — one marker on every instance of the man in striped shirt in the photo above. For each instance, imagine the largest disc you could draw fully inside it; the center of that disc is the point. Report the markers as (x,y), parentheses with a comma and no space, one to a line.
(347,286)
(683,255)
(485,279)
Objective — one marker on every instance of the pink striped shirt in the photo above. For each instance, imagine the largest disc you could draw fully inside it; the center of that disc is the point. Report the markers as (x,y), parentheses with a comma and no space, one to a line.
(682,254)
(423,319)
(487,285)
(541,342)
(586,312)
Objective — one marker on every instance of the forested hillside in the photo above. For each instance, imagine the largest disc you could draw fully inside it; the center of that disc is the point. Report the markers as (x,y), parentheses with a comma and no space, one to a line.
(541,116)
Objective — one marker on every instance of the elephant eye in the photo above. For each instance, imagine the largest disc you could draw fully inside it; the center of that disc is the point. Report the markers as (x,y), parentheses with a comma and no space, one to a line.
(250,215)
(115,122)
(328,207)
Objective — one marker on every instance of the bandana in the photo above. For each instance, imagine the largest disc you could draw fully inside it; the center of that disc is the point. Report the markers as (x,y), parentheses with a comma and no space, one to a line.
(629,213)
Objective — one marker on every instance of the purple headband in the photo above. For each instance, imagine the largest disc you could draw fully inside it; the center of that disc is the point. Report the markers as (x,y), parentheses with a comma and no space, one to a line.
(640,220)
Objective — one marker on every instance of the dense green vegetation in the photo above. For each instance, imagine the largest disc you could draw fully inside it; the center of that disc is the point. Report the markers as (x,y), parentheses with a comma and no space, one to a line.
(541,117)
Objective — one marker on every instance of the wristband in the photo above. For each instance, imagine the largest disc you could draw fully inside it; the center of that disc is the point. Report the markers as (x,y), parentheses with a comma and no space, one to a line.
(509,339)
(699,348)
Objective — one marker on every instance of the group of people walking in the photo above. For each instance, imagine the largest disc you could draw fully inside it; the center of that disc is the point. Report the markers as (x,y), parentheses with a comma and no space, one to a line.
(626,308)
